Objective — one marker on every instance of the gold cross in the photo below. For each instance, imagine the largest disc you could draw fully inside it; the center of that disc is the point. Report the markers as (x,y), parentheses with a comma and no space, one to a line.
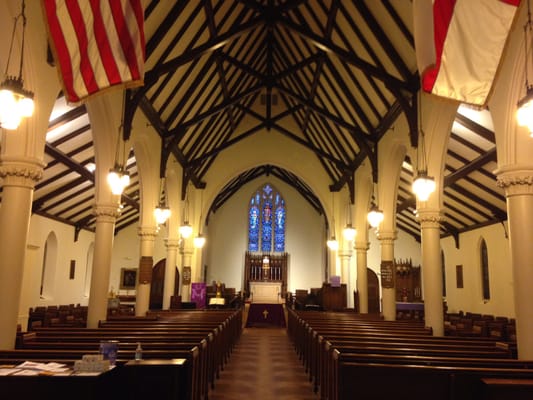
(265,313)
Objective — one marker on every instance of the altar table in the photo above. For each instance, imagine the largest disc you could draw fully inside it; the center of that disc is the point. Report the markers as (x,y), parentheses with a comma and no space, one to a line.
(265,314)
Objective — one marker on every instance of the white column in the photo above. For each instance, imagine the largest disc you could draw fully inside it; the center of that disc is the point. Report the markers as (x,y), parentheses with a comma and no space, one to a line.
(170,271)
(518,184)
(361,249)
(106,215)
(388,297)
(19,178)
(430,220)
(345,256)
(147,235)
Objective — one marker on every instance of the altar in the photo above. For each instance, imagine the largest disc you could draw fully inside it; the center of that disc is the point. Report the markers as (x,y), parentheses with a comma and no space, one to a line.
(265,292)
(265,314)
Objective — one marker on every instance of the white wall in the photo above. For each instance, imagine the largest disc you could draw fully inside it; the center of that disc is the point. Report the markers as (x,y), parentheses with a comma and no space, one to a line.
(470,298)
(65,290)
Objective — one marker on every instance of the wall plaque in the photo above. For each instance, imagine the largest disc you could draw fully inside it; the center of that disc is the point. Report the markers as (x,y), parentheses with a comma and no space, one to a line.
(145,269)
(186,275)
(387,274)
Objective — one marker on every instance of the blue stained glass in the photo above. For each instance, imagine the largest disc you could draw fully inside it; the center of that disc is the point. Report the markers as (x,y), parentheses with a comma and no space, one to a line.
(266,221)
(253,228)
(279,229)
(266,240)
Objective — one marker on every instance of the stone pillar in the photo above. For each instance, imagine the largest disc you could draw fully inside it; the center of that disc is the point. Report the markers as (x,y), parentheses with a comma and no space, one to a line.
(170,271)
(106,215)
(430,220)
(388,278)
(147,235)
(517,181)
(345,256)
(186,252)
(361,249)
(19,177)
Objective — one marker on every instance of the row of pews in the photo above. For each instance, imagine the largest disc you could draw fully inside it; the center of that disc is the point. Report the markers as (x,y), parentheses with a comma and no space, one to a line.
(349,355)
(203,340)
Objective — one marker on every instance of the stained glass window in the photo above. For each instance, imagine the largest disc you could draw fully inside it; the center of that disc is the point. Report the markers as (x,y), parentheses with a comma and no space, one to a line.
(266,220)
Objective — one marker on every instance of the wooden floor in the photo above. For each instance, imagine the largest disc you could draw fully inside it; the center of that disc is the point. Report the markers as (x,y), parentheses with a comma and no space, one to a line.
(263,365)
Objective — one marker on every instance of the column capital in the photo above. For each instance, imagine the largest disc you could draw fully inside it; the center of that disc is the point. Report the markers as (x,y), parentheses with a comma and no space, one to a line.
(344,253)
(106,212)
(147,231)
(515,180)
(429,217)
(386,236)
(172,243)
(21,171)
(361,246)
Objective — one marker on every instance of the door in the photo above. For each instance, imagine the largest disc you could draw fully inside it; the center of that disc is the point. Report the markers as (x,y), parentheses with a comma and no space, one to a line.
(373,292)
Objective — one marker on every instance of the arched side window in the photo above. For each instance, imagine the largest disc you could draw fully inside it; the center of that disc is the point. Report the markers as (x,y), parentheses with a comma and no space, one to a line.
(266,220)
(484,262)
(49,266)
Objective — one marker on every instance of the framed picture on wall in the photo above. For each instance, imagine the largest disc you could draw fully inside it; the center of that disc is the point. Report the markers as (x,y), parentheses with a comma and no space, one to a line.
(128,278)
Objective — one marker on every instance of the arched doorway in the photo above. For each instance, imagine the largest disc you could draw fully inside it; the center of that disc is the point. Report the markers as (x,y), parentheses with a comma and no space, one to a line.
(373,292)
(158,283)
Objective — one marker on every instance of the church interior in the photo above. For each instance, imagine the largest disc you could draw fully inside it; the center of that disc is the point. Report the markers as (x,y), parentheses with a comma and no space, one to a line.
(268,131)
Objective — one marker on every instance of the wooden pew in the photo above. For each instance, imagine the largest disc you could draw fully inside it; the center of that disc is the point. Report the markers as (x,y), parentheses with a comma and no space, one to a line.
(204,339)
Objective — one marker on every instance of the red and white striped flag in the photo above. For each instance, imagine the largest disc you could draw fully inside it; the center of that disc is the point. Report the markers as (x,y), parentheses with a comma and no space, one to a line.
(459,44)
(97,44)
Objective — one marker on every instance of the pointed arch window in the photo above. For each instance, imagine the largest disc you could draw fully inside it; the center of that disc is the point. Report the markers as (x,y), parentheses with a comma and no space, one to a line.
(484,262)
(266,220)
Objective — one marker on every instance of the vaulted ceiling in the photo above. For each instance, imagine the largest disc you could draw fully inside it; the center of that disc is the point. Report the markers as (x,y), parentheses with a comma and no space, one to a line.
(330,75)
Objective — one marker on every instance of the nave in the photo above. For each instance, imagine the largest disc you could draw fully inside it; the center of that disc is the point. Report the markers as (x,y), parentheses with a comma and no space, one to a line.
(263,365)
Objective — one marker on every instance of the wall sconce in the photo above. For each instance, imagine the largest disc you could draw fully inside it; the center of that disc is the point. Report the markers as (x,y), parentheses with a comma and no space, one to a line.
(118,178)
(15,101)
(162,211)
(423,185)
(375,215)
(349,231)
(524,113)
(185,230)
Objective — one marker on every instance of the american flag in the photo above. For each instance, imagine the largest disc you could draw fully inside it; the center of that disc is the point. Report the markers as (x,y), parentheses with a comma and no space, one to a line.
(97,44)
(459,44)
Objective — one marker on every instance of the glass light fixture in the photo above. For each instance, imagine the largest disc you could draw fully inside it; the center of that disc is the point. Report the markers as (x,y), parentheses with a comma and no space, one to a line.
(524,113)
(423,184)
(118,178)
(162,211)
(199,241)
(185,229)
(349,231)
(333,244)
(15,101)
(375,216)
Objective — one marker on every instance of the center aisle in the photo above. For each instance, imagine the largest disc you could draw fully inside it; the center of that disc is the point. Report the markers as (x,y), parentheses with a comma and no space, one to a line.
(263,365)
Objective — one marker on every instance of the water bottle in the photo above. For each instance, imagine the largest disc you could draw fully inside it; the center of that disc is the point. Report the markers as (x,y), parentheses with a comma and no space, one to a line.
(138,352)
